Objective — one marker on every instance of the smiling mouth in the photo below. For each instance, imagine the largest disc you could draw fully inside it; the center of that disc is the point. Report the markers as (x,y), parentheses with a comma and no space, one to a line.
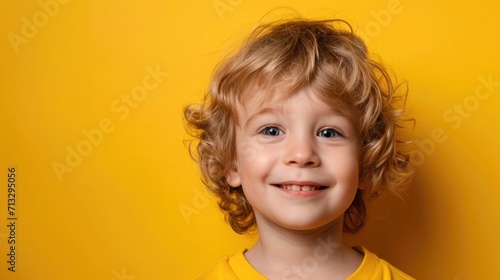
(304,188)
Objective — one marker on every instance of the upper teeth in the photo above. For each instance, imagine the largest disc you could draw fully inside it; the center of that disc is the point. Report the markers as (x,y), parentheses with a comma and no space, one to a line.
(300,188)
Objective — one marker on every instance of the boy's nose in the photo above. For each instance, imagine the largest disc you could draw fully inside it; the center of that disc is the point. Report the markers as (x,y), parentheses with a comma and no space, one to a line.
(301,152)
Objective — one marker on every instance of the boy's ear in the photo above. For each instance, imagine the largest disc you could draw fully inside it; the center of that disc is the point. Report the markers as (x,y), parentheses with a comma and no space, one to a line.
(233,178)
(361,185)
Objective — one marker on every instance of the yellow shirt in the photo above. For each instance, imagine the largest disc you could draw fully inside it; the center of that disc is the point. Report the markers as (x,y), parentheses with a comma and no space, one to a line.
(237,267)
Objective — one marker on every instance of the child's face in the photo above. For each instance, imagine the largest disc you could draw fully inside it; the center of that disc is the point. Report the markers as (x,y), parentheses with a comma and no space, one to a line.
(297,160)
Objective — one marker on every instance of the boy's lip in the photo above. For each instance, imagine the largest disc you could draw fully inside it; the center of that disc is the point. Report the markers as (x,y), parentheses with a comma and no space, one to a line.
(300,186)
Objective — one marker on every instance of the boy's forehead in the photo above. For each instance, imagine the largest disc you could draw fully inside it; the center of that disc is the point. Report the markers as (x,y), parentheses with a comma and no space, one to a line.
(256,100)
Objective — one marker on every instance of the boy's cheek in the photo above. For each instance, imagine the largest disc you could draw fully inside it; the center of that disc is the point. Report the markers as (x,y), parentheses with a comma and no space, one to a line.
(248,151)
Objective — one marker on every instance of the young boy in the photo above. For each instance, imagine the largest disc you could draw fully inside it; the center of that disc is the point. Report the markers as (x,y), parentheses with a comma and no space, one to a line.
(296,132)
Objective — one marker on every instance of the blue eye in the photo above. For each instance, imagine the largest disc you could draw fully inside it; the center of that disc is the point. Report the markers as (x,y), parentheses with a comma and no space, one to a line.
(271,131)
(328,133)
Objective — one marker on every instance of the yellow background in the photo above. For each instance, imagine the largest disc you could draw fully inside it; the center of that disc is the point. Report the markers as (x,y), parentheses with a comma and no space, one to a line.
(118,213)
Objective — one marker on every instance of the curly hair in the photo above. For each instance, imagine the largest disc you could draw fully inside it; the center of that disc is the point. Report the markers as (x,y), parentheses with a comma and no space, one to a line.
(286,56)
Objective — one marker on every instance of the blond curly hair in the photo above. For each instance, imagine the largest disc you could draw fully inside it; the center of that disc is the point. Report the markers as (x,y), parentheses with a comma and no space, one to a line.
(288,55)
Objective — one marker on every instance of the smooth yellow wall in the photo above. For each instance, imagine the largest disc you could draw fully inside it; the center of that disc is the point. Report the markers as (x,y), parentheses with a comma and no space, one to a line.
(108,80)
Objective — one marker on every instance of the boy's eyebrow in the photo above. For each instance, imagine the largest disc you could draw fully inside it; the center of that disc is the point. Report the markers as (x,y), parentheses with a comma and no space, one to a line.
(337,111)
(263,111)
(345,114)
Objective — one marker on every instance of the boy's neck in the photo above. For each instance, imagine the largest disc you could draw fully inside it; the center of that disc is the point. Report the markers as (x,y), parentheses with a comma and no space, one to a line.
(280,252)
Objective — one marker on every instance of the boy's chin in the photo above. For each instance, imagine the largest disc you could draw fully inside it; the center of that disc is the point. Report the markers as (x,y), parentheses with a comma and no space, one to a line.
(309,225)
